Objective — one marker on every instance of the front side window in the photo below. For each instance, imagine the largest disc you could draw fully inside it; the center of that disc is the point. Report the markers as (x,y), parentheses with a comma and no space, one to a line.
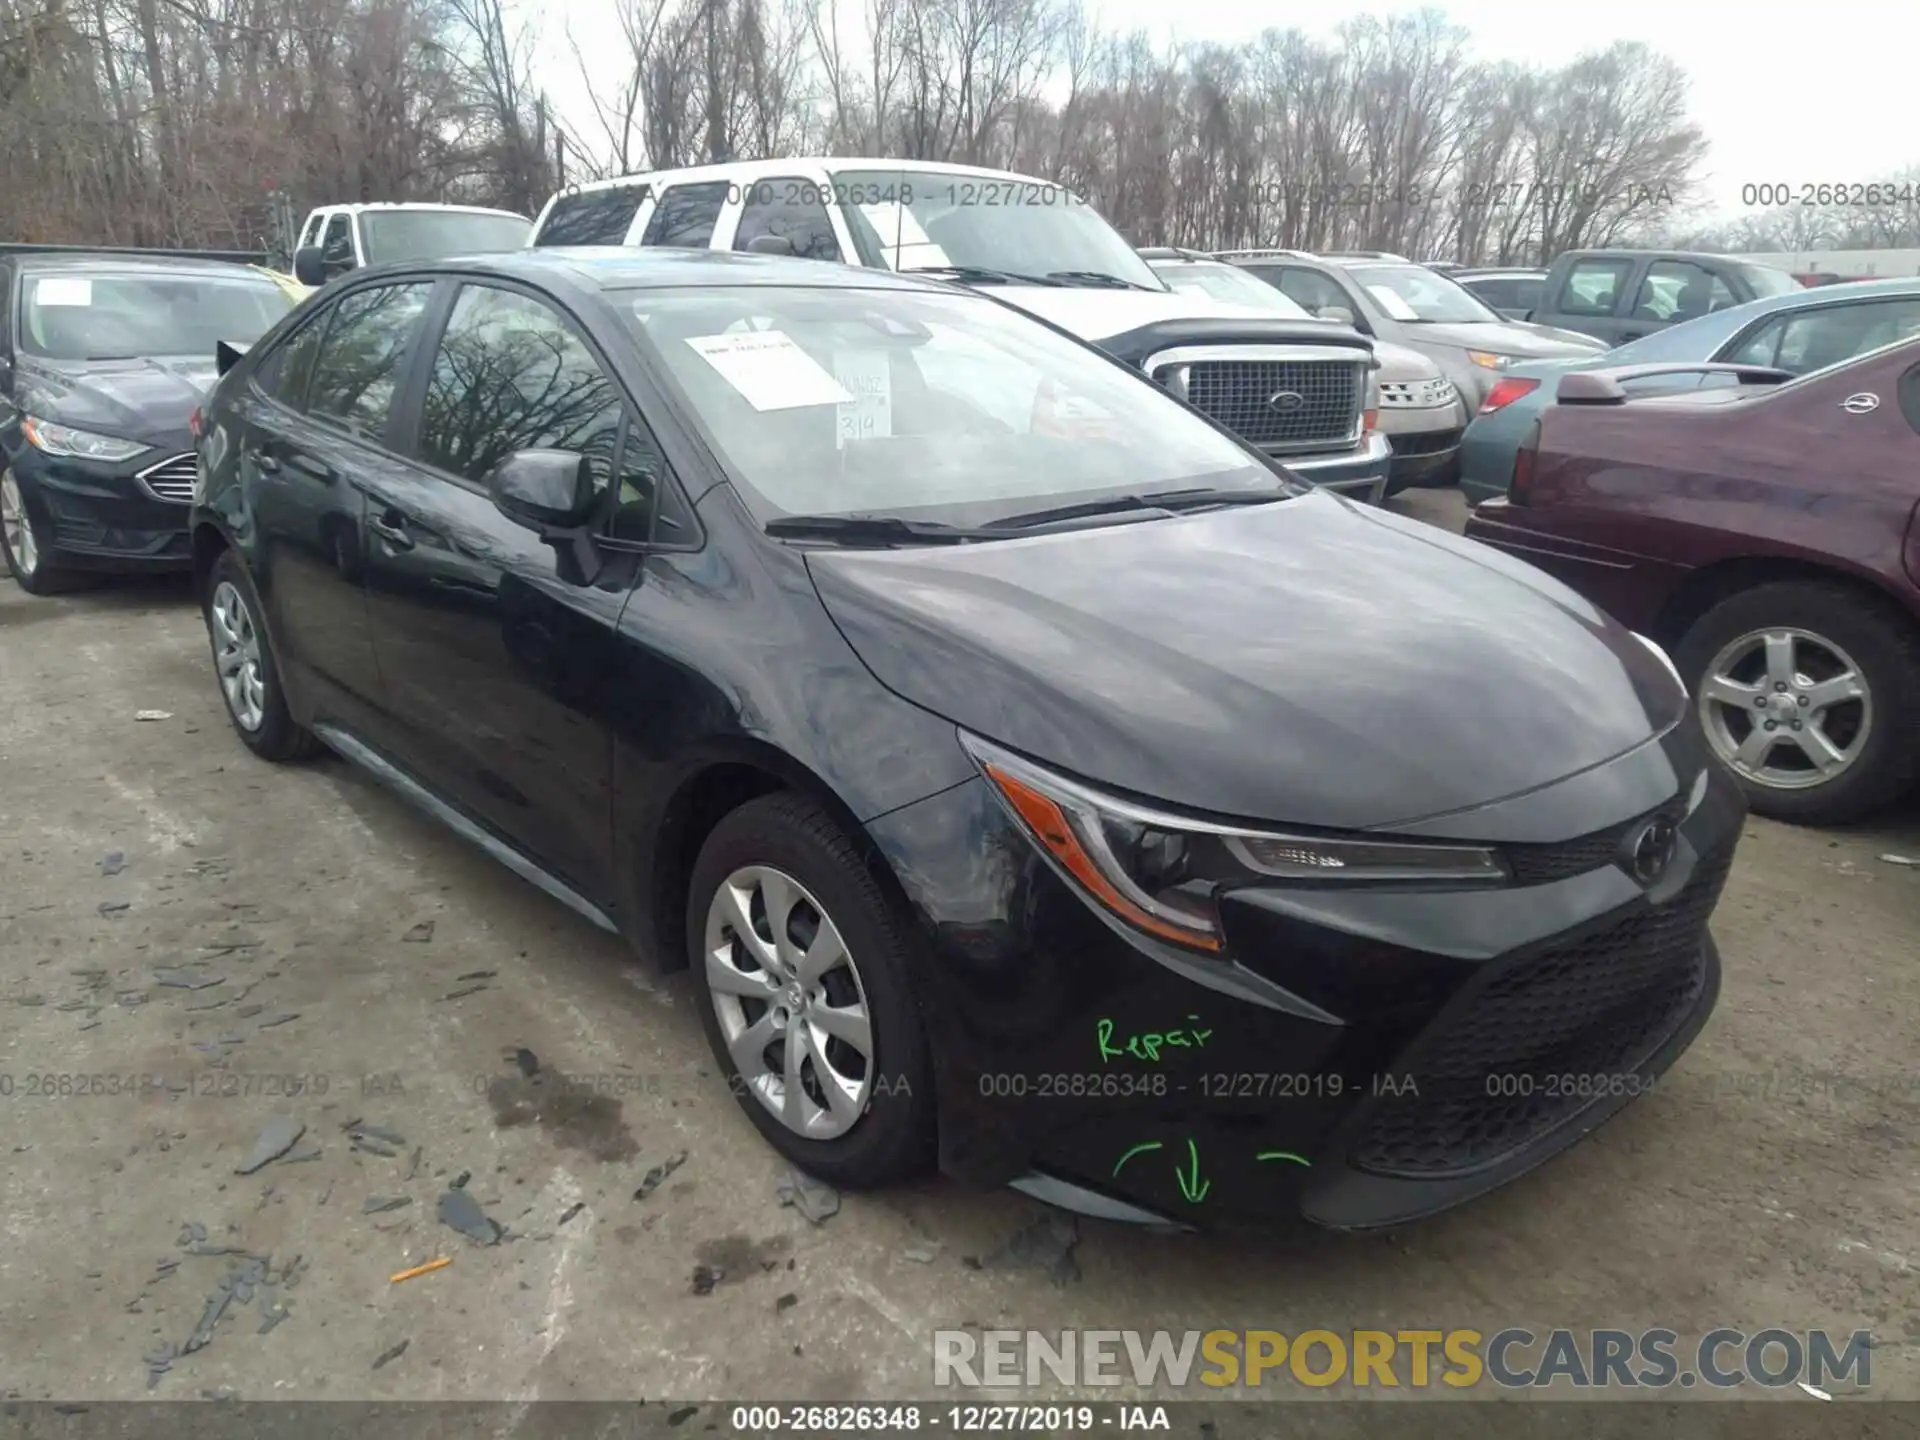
(1593,287)
(438,234)
(358,365)
(592,217)
(1311,291)
(686,215)
(511,374)
(134,316)
(951,407)
(910,220)
(336,246)
(793,209)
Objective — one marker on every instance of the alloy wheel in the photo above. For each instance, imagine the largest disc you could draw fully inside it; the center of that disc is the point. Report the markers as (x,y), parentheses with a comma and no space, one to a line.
(17,525)
(1786,708)
(236,650)
(790,1002)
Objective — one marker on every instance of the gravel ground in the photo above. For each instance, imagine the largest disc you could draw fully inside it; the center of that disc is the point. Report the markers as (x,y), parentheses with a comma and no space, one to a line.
(204,944)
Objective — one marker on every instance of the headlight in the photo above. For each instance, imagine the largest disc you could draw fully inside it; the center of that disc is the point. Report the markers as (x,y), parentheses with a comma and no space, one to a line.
(1160,873)
(1487,360)
(1665,659)
(79,444)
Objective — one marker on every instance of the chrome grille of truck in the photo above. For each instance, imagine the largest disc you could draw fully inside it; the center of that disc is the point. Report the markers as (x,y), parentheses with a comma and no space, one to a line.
(1284,399)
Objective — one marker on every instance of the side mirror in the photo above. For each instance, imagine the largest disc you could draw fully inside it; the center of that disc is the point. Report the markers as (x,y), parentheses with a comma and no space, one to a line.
(310,266)
(770,245)
(1339,314)
(544,489)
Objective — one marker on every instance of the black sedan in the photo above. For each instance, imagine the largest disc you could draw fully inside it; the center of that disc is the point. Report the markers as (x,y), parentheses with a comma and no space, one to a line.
(102,360)
(1035,779)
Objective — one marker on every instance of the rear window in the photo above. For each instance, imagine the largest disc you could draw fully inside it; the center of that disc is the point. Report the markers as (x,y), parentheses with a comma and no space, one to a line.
(592,217)
(686,215)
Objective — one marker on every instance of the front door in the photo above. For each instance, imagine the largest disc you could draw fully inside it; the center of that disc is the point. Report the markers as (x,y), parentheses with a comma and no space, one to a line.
(492,644)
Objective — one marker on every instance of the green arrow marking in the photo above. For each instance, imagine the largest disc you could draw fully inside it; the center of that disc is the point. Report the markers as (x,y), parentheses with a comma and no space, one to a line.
(1284,1155)
(1191,1185)
(1136,1150)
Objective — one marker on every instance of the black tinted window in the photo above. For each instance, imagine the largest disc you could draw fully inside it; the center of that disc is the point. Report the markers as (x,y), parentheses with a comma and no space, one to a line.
(360,359)
(793,209)
(336,249)
(592,217)
(686,214)
(511,374)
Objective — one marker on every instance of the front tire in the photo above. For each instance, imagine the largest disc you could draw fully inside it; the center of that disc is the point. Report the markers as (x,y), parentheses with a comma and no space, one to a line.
(247,669)
(22,544)
(1809,693)
(804,978)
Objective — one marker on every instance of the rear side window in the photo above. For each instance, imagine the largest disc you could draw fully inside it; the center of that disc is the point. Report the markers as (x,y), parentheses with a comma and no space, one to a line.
(792,209)
(592,217)
(359,362)
(686,215)
(1593,287)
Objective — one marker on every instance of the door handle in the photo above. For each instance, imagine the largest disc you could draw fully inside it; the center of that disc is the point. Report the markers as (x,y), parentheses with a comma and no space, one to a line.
(392,528)
(264,462)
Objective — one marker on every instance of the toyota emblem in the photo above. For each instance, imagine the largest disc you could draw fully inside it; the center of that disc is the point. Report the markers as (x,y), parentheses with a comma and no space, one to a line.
(1652,850)
(1286,401)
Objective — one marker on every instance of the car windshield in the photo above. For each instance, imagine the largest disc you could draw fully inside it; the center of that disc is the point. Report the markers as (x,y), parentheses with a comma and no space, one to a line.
(1766,280)
(97,315)
(910,220)
(1416,295)
(1226,282)
(438,234)
(919,405)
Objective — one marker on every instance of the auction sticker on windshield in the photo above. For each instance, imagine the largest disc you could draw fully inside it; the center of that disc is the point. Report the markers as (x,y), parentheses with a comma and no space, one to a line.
(769,370)
(867,375)
(63,290)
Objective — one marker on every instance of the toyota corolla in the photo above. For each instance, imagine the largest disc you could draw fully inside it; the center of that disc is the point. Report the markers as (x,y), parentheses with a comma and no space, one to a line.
(1038,781)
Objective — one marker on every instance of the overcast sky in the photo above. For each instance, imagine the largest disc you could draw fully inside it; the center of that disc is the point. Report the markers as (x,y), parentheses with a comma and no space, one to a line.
(1783,97)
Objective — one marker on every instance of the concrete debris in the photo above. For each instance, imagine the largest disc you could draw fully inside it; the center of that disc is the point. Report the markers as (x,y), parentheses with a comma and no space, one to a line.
(1892,859)
(379,1204)
(390,1354)
(1047,1244)
(815,1199)
(657,1176)
(785,1302)
(187,979)
(528,1062)
(463,992)
(925,1252)
(705,1277)
(114,907)
(190,1233)
(378,1132)
(420,934)
(112,863)
(279,1020)
(275,1140)
(153,715)
(460,1211)
(477,975)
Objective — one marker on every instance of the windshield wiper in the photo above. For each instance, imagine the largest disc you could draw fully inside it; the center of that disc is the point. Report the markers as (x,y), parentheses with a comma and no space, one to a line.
(1097,278)
(1170,502)
(979,275)
(872,530)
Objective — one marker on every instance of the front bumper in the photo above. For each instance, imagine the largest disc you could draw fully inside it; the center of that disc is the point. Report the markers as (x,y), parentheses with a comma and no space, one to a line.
(1364,1058)
(90,516)
(1361,472)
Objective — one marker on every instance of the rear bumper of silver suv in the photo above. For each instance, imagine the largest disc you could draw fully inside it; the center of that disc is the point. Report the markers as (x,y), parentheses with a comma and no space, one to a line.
(1361,473)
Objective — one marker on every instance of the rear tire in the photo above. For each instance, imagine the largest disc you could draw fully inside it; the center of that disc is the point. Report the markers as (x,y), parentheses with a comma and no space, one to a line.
(784,857)
(246,668)
(1866,729)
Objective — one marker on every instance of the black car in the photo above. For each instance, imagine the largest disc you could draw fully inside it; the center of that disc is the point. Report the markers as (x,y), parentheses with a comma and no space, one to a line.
(102,360)
(1035,778)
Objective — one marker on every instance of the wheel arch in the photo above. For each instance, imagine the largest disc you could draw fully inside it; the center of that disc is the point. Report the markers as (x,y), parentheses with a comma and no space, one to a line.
(1707,586)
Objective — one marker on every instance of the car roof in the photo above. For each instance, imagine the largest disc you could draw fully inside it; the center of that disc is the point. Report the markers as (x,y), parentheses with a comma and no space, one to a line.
(1630,252)
(660,267)
(749,170)
(357,207)
(88,263)
(1499,272)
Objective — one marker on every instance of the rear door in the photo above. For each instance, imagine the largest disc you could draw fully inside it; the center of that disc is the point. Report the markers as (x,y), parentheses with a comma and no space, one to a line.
(316,414)
(492,647)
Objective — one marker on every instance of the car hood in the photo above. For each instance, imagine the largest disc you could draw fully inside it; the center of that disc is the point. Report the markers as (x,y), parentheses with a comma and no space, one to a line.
(1402,362)
(1508,338)
(139,399)
(1310,662)
(1097,314)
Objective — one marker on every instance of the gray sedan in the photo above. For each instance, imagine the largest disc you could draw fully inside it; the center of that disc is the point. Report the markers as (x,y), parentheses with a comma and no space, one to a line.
(1408,304)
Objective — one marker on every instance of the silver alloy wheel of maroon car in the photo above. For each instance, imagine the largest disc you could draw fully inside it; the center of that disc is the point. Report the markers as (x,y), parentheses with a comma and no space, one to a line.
(1786,708)
(790,1002)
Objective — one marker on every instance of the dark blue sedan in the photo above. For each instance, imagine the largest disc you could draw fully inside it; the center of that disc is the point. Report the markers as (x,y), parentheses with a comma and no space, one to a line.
(1799,332)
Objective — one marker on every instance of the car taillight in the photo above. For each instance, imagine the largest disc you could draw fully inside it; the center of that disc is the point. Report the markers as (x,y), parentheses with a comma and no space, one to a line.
(1524,460)
(195,422)
(1506,391)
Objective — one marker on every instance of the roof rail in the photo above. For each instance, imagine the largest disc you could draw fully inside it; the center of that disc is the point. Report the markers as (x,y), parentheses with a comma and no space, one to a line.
(1289,254)
(1608,387)
(1172,252)
(235,257)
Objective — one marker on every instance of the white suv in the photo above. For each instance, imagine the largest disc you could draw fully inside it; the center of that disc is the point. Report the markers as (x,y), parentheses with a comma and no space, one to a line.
(1300,391)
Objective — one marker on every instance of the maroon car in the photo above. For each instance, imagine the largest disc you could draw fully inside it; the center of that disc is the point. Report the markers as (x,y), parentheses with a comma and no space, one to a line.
(1764,531)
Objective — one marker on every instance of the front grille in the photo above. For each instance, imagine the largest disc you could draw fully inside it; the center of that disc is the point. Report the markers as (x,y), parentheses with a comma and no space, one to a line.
(1424,442)
(1595,1007)
(172,479)
(1237,393)
(1541,864)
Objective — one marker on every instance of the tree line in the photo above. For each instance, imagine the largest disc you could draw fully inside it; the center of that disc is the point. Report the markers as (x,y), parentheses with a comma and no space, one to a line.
(178,122)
